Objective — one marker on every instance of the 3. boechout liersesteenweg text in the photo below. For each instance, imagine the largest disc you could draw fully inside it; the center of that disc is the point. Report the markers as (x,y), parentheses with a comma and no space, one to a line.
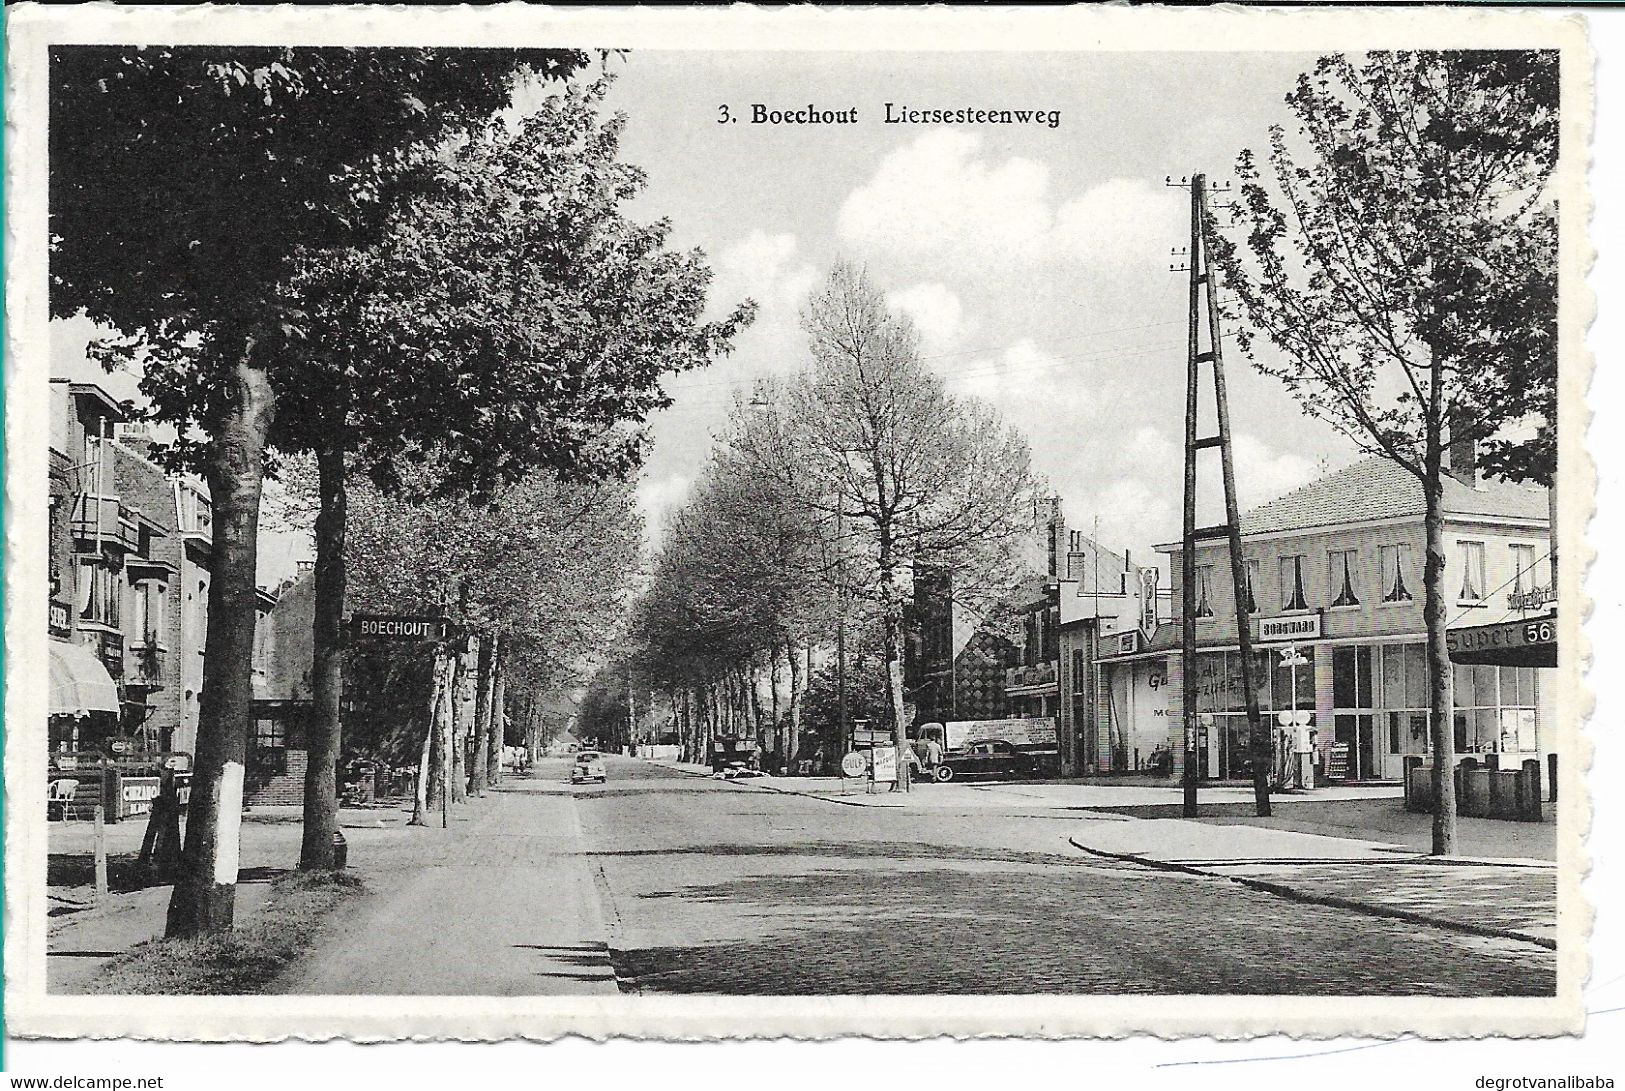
(892,113)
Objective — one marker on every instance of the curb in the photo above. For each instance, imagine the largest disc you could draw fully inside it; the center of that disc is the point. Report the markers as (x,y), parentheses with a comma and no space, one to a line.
(780,791)
(1334,901)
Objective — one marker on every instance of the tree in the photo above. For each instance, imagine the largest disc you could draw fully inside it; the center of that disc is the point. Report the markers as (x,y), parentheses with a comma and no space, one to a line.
(1405,276)
(185,182)
(544,568)
(509,320)
(919,476)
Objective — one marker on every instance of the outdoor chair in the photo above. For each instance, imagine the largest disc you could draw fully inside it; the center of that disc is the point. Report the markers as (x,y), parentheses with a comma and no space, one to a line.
(61,797)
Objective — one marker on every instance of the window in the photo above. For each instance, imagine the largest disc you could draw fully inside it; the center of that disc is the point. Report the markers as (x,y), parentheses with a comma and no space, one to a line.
(1472,571)
(1252,586)
(1523,568)
(1393,561)
(1078,673)
(149,611)
(1292,596)
(99,593)
(1204,590)
(1341,577)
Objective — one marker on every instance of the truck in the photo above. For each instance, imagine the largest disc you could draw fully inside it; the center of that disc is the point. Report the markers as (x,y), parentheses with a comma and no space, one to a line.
(1031,735)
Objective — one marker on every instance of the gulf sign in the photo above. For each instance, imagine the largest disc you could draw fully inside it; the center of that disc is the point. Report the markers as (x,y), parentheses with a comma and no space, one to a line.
(398,627)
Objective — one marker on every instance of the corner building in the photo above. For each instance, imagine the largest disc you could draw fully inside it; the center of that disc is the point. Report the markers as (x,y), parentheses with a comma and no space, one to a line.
(1335,569)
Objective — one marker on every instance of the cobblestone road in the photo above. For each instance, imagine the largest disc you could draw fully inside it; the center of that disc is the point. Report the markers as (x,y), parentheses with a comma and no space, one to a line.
(714,888)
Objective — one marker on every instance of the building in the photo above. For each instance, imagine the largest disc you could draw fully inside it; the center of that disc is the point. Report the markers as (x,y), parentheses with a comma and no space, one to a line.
(1040,662)
(1334,570)
(113,571)
(284,653)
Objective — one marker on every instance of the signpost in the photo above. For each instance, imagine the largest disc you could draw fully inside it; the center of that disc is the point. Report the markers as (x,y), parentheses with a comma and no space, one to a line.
(400,627)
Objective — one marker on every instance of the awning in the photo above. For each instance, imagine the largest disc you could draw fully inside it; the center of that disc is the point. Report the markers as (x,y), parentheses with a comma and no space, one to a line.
(79,682)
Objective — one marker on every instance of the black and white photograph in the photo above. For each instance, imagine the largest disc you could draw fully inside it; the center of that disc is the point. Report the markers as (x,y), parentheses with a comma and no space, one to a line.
(525,526)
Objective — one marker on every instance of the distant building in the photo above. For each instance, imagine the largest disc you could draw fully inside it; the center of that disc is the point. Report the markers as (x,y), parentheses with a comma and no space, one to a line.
(1335,569)
(1039,662)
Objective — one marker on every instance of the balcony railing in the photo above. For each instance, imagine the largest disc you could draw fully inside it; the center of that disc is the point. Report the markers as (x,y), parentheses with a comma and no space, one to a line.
(116,523)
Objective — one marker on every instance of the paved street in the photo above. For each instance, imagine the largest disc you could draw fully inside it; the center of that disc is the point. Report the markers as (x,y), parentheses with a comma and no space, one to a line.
(665,882)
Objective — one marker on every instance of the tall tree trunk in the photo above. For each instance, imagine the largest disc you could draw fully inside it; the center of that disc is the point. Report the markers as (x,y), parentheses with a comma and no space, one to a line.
(773,685)
(753,684)
(205,891)
(1441,698)
(323,739)
(892,619)
(463,711)
(499,698)
(426,764)
(792,748)
(482,718)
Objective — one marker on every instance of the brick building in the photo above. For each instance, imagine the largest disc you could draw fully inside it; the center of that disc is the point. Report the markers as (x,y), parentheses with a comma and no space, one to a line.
(1335,568)
(112,574)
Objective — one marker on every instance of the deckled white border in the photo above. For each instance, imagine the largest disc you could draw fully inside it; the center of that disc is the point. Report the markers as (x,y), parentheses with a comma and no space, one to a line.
(31,1012)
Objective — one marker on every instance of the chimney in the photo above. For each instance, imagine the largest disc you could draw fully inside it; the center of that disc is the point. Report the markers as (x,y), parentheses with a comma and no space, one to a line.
(1057,538)
(1463,457)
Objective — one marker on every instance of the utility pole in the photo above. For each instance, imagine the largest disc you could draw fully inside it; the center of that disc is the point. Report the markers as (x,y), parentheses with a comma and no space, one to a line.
(1201,277)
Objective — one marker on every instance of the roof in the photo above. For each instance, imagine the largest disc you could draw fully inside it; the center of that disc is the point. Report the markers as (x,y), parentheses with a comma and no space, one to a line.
(1379,488)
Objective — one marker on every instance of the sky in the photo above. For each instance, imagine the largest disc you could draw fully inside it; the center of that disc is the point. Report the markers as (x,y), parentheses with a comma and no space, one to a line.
(1034,259)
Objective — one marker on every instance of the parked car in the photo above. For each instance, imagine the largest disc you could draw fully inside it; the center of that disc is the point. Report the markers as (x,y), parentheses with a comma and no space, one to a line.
(985,758)
(589,765)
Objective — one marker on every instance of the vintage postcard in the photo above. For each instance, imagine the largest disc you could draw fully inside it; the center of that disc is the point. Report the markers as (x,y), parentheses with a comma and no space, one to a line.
(708,524)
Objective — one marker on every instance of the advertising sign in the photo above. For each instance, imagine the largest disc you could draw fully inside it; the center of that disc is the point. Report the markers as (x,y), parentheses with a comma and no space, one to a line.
(855,764)
(1027,731)
(1290,627)
(399,627)
(1148,601)
(885,764)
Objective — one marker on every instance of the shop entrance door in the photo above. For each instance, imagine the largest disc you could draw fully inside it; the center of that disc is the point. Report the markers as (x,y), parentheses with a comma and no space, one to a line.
(1352,713)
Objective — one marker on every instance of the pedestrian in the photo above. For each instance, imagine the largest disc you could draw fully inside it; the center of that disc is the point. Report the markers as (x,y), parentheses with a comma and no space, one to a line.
(933,753)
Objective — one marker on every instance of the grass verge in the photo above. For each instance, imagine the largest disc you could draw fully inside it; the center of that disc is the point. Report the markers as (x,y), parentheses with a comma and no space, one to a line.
(240,962)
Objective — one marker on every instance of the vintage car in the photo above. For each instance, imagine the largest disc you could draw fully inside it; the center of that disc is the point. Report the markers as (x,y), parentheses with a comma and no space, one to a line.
(588,765)
(985,758)
(732,755)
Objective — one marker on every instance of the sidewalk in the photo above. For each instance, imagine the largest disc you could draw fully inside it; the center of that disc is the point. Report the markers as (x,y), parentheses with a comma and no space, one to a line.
(1507,898)
(1355,848)
(81,936)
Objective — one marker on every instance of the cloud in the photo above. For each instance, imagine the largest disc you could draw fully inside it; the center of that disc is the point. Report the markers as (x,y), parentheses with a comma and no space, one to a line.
(1264,473)
(943,198)
(940,196)
(937,314)
(1120,220)
(768,268)
(1026,382)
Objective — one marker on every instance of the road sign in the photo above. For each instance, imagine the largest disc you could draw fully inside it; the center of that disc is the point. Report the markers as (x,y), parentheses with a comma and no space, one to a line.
(404,627)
